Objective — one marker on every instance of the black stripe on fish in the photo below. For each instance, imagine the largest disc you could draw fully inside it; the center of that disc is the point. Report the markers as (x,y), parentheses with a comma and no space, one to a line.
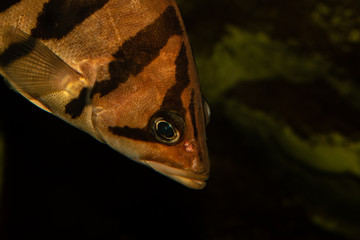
(139,51)
(193,121)
(59,17)
(5,4)
(142,134)
(172,99)
(192,113)
(76,106)
(16,51)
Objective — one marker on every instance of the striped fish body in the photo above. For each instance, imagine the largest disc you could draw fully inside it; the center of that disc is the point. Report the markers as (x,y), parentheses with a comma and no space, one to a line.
(120,70)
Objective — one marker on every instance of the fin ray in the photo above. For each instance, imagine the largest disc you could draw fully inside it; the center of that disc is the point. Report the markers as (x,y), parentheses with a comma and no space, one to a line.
(31,67)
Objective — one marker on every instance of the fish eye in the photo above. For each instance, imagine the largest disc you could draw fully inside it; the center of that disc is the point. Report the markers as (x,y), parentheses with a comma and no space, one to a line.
(168,127)
(165,130)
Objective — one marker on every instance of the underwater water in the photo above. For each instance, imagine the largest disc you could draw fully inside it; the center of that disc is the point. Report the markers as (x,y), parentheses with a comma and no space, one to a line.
(281,78)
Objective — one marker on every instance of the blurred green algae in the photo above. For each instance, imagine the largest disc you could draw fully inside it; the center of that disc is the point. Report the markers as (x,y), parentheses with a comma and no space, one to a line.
(243,56)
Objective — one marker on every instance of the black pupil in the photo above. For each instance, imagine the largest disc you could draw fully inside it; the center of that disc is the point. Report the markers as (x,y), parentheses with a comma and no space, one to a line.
(165,130)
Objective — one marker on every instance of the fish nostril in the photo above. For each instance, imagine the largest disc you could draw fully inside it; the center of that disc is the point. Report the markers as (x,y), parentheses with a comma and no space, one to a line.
(189,147)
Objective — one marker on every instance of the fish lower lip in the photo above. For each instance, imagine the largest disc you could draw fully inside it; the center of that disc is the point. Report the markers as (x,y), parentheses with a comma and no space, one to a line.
(187,178)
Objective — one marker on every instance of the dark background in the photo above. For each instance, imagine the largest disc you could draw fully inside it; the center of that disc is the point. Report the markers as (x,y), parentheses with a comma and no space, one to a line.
(265,66)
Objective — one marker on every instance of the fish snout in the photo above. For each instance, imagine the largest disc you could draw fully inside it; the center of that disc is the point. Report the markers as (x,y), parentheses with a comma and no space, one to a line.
(188,178)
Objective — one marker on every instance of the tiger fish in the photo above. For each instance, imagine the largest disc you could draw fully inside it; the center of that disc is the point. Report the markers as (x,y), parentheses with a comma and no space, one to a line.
(120,70)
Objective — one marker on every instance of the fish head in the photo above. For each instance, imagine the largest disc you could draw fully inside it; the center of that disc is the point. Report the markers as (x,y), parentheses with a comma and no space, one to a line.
(172,143)
(180,152)
(165,120)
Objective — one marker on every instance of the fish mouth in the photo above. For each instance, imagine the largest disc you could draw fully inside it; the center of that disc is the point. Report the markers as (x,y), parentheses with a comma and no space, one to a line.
(187,178)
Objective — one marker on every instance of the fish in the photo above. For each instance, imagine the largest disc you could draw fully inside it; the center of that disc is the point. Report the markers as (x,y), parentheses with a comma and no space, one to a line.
(120,70)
